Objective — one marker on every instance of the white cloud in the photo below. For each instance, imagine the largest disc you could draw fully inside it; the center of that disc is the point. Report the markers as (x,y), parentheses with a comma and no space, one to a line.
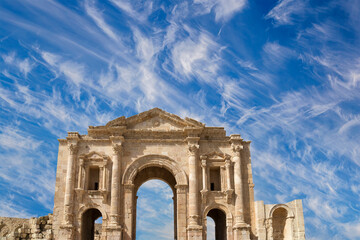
(99,20)
(352,230)
(277,53)
(23,65)
(224,9)
(285,10)
(247,64)
(10,138)
(138,12)
(197,57)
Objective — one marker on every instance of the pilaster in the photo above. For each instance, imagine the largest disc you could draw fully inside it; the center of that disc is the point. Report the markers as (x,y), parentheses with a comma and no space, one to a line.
(117,146)
(241,229)
(194,229)
(72,141)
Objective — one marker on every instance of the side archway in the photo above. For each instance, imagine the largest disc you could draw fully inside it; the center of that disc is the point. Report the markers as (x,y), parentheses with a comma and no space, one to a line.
(222,218)
(87,216)
(282,222)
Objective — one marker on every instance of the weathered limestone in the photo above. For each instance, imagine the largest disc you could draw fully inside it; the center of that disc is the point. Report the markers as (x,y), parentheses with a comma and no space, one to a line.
(209,173)
(20,228)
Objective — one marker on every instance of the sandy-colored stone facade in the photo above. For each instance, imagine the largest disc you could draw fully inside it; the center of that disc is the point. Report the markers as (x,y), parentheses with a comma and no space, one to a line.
(98,175)
(20,228)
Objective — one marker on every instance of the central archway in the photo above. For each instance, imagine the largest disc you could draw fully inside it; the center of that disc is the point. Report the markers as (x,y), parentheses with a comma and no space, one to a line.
(155,167)
(157,173)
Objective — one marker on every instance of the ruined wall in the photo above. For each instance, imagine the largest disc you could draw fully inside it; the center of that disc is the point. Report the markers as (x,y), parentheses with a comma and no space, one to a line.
(22,228)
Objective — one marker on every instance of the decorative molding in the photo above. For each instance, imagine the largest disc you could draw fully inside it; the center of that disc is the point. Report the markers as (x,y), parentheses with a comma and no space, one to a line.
(180,189)
(129,188)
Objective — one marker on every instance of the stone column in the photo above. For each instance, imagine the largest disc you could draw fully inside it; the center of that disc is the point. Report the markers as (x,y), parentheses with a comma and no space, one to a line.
(241,229)
(181,203)
(101,178)
(269,229)
(129,212)
(115,184)
(80,177)
(193,185)
(194,229)
(289,224)
(205,189)
(228,176)
(204,175)
(69,185)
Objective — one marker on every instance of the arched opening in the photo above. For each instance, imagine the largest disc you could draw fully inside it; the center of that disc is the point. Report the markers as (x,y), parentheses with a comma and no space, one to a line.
(279,224)
(210,228)
(155,211)
(166,184)
(89,227)
(219,218)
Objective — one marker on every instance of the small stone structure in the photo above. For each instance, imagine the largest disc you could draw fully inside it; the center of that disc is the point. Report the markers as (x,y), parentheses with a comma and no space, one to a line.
(21,228)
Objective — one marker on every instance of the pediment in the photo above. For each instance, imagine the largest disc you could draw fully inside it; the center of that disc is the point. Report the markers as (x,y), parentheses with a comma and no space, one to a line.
(216,156)
(94,156)
(155,120)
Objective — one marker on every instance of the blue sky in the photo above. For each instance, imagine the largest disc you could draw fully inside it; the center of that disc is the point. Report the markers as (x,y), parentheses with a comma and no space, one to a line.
(284,74)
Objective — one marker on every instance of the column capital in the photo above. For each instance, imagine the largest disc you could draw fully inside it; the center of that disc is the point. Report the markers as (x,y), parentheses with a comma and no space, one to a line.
(181,188)
(203,163)
(117,148)
(193,149)
(236,148)
(129,187)
(236,143)
(117,144)
(73,148)
(227,162)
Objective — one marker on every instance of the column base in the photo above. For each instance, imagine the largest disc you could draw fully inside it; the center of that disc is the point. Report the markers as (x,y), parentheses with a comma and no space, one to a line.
(194,232)
(114,232)
(241,231)
(66,232)
(114,220)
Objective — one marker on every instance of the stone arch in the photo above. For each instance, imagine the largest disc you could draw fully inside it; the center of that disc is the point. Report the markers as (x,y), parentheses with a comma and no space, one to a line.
(148,167)
(282,222)
(222,218)
(154,160)
(91,206)
(88,216)
(222,207)
(289,210)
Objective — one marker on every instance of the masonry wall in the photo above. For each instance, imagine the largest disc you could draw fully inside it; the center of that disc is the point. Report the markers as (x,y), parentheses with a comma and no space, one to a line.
(29,229)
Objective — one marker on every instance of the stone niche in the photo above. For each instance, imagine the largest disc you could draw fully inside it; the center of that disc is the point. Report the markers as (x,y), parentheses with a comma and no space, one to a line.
(99,173)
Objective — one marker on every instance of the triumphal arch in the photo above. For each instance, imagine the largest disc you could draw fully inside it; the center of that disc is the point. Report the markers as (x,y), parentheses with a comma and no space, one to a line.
(98,175)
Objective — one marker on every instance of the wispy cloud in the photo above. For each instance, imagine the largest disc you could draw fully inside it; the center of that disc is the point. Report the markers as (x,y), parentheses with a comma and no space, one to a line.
(292,89)
(286,11)
(95,15)
(224,9)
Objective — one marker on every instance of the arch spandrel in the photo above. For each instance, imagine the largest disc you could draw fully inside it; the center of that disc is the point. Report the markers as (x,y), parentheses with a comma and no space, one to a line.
(154,160)
(83,209)
(290,213)
(220,207)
